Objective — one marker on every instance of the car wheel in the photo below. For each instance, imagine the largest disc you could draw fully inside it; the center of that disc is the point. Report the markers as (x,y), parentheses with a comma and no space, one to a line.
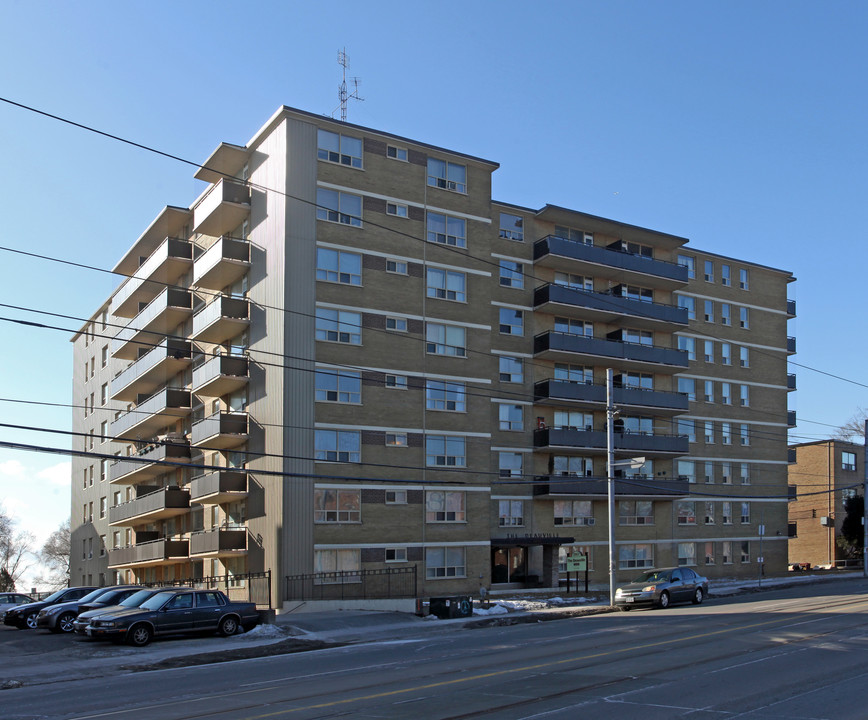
(664,600)
(228,626)
(30,621)
(698,596)
(65,623)
(139,635)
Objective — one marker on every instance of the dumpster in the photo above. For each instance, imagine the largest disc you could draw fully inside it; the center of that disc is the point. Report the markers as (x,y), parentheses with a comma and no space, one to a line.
(454,606)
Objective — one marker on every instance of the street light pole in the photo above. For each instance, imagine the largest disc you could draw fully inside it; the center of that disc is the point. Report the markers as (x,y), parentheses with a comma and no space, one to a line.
(610,480)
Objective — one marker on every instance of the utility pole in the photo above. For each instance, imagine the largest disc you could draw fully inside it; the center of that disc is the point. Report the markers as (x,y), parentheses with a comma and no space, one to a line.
(865,507)
(610,479)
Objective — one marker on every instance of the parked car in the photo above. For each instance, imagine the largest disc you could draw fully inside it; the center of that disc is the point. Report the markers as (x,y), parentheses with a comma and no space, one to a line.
(61,616)
(662,587)
(175,612)
(10,600)
(24,616)
(138,596)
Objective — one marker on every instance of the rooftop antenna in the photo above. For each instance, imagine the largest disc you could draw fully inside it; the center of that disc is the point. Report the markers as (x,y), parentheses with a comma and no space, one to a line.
(343,94)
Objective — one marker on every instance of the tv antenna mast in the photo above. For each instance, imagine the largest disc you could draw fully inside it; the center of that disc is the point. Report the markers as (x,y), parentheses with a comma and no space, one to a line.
(343,93)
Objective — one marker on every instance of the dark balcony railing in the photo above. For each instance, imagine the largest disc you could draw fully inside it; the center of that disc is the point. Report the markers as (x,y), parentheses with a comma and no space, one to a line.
(219,425)
(637,486)
(153,552)
(149,327)
(596,394)
(580,344)
(221,319)
(604,303)
(164,266)
(218,541)
(791,344)
(144,465)
(791,308)
(218,483)
(791,418)
(222,264)
(399,582)
(791,455)
(624,442)
(164,502)
(222,208)
(791,381)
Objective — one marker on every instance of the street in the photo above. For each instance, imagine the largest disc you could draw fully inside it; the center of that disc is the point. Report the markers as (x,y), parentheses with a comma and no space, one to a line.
(795,653)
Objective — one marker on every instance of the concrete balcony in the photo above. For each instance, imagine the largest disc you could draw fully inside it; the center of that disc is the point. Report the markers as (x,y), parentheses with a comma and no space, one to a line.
(220,375)
(151,553)
(166,265)
(149,328)
(562,347)
(603,307)
(552,486)
(151,370)
(601,262)
(156,505)
(222,209)
(154,414)
(567,394)
(221,319)
(226,261)
(570,439)
(219,487)
(220,431)
(220,542)
(148,463)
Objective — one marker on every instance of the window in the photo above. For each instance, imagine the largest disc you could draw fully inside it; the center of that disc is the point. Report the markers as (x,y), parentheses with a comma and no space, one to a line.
(444,451)
(687,553)
(337,445)
(103,469)
(339,207)
(511,227)
(726,433)
(335,506)
(725,393)
(396,266)
(572,466)
(743,318)
(444,562)
(686,512)
(709,311)
(745,551)
(686,386)
(104,355)
(509,464)
(396,153)
(398,382)
(510,369)
(396,497)
(337,561)
(510,513)
(726,473)
(396,324)
(744,434)
(573,512)
(725,353)
(396,439)
(103,431)
(440,395)
(511,322)
(339,267)
(103,506)
(689,263)
(573,420)
(576,282)
(103,396)
(510,417)
(709,512)
(709,432)
(725,314)
(709,553)
(744,473)
(568,326)
(743,282)
(635,512)
(339,326)
(579,236)
(637,337)
(744,395)
(709,271)
(725,275)
(726,512)
(447,230)
(396,209)
(396,554)
(447,175)
(444,506)
(578,374)
(709,351)
(641,381)
(635,556)
(744,357)
(446,284)
(446,340)
(689,304)
(848,460)
(686,428)
(511,274)
(336,148)
(688,345)
(726,552)
(687,469)
(634,292)
(341,386)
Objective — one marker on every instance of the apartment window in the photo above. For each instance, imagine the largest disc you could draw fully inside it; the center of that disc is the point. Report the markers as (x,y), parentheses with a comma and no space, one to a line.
(340,386)
(726,473)
(446,340)
(337,266)
(446,284)
(328,562)
(510,417)
(511,322)
(637,337)
(744,395)
(689,263)
(709,553)
(708,394)
(848,460)
(396,153)
(339,207)
(709,432)
(337,506)
(116,539)
(725,314)
(709,351)
(576,282)
(511,274)
(338,445)
(339,326)
(92,366)
(396,324)
(743,282)
(709,472)
(396,439)
(743,318)
(686,512)
(726,433)
(444,506)
(573,512)
(579,236)
(509,464)
(103,469)
(341,149)
(635,512)
(709,271)
(90,478)
(510,513)
(568,326)
(686,554)
(744,357)
(573,420)
(396,554)
(688,345)
(396,497)
(104,356)
(397,382)
(396,209)
(726,552)
(709,311)
(725,393)
(103,431)
(744,473)
(444,562)
(634,292)
(84,513)
(687,469)
(90,511)
(631,557)
(709,512)
(103,506)
(577,374)
(745,551)
(725,353)
(511,227)
(725,275)
(744,434)
(686,428)
(689,304)
(572,466)
(447,175)
(396,266)
(447,230)
(440,395)
(511,369)
(687,386)
(84,479)
(445,451)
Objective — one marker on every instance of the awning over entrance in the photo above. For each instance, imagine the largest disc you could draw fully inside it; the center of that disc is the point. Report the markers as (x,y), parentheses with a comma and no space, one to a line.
(528,540)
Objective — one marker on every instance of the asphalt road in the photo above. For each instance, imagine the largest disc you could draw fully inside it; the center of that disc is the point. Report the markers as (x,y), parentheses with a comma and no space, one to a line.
(798,653)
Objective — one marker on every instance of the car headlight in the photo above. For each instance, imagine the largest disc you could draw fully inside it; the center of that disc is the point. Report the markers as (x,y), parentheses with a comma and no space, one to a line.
(108,623)
(51,611)
(649,588)
(618,592)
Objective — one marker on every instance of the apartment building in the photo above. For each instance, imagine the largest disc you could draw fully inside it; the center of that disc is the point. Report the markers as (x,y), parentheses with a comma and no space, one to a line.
(822,477)
(346,355)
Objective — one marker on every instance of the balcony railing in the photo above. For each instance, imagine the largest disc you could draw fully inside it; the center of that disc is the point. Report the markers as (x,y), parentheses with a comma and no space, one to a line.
(153,552)
(221,319)
(219,486)
(637,486)
(563,345)
(153,414)
(146,464)
(791,381)
(791,418)
(220,375)
(791,308)
(151,370)
(222,209)
(162,315)
(226,261)
(162,503)
(555,299)
(220,430)
(562,392)
(625,442)
(164,267)
(220,541)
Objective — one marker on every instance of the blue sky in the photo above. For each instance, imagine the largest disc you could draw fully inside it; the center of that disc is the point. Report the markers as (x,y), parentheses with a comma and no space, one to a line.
(739,125)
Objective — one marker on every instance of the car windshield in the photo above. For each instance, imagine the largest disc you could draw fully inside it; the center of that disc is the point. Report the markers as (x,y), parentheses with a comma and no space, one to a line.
(54,596)
(652,576)
(156,602)
(92,595)
(137,598)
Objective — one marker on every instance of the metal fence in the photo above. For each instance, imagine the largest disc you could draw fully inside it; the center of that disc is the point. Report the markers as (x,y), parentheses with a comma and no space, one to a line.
(247,587)
(353,585)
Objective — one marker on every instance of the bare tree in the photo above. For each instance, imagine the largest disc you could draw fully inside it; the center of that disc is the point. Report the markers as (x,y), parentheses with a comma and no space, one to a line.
(854,429)
(15,551)
(55,556)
